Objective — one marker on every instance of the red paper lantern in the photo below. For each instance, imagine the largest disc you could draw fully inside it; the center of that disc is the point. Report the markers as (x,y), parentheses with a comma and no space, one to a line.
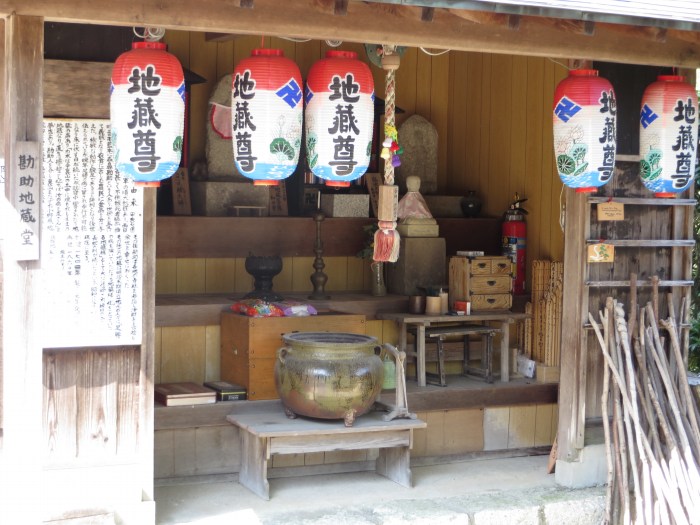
(584,121)
(339,117)
(147,112)
(266,116)
(668,135)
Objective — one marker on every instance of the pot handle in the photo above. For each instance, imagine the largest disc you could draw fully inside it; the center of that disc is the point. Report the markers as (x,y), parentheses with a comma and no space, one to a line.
(282,353)
(391,350)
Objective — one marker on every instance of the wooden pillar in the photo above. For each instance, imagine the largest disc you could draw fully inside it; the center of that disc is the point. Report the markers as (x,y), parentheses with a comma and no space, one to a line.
(20,459)
(572,381)
(146,431)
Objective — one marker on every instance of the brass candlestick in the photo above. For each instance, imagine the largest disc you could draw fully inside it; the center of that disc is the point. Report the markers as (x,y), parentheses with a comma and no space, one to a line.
(318,278)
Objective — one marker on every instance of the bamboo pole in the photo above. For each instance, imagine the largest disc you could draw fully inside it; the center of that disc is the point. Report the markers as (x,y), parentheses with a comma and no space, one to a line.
(652,440)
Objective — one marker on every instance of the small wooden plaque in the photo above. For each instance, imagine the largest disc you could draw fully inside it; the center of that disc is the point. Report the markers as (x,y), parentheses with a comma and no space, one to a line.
(611,211)
(388,203)
(278,201)
(374,180)
(182,204)
(601,253)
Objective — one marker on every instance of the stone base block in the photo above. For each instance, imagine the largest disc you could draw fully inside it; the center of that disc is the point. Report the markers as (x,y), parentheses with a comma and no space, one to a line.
(418,230)
(590,470)
(215,198)
(422,263)
(444,205)
(345,205)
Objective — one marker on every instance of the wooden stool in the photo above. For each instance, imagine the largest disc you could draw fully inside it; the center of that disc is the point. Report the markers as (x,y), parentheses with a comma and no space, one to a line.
(439,333)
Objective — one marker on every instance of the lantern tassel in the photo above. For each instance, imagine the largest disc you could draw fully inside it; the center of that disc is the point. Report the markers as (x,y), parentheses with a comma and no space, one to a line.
(386,245)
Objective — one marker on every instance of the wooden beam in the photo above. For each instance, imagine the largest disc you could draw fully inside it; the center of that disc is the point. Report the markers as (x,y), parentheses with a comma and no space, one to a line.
(86,95)
(147,369)
(372,22)
(20,461)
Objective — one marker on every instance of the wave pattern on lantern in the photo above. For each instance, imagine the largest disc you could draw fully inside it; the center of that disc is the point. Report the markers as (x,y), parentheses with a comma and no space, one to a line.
(267,114)
(584,121)
(339,117)
(668,132)
(147,112)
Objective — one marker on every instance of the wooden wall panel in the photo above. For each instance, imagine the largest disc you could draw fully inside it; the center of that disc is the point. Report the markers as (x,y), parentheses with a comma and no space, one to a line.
(183,354)
(90,408)
(518,168)
(456,177)
(440,112)
(219,275)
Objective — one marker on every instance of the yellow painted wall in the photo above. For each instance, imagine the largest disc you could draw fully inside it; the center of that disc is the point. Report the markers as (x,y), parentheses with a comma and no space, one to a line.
(494,136)
(492,113)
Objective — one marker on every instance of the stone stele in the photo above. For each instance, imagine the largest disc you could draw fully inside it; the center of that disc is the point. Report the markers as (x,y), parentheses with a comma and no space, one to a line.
(219,150)
(419,140)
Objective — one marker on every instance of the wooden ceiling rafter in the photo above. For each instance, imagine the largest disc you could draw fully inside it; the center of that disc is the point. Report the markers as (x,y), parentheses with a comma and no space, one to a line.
(404,25)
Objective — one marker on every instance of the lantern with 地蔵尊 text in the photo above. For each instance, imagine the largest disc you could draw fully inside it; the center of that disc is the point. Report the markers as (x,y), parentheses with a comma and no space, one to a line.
(668,134)
(339,117)
(147,113)
(266,116)
(584,121)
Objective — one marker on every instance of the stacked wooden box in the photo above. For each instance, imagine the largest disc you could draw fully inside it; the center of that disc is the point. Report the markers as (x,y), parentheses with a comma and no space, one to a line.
(249,345)
(484,281)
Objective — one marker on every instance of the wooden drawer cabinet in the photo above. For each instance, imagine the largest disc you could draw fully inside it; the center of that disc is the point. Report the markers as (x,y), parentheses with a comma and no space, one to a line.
(249,345)
(484,281)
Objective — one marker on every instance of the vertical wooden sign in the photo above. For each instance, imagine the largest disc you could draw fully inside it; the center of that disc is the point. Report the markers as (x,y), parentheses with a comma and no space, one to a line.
(374,180)
(92,240)
(26,199)
(278,200)
(182,204)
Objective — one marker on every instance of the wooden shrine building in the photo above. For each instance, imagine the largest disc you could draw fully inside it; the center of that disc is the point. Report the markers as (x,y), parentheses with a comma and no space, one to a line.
(79,433)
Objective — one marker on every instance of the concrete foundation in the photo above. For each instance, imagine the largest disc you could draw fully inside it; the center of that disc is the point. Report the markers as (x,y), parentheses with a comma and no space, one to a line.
(479,492)
(591,470)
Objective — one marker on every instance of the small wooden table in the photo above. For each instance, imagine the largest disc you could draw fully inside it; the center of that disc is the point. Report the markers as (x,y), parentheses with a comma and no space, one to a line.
(420,322)
(266,430)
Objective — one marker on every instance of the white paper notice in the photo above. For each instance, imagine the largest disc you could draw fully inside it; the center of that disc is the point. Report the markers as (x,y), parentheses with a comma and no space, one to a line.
(92,239)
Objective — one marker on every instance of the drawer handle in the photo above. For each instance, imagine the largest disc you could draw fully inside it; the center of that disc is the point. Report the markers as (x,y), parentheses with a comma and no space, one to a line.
(491,283)
(481,265)
(490,300)
(502,265)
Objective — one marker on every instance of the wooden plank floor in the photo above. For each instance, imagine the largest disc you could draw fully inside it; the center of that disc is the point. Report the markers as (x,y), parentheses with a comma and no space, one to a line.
(205,309)
(460,392)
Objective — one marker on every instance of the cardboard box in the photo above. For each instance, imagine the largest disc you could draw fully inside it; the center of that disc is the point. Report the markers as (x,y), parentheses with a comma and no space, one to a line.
(226,391)
(546,374)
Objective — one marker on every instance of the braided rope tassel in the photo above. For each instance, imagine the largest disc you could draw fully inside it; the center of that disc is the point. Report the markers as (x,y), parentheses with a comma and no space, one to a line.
(390,121)
(386,238)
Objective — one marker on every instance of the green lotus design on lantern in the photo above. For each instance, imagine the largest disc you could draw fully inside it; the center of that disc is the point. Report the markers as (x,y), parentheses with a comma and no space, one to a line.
(649,168)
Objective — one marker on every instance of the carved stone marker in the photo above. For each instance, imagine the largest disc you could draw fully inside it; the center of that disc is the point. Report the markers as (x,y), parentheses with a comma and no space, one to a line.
(419,140)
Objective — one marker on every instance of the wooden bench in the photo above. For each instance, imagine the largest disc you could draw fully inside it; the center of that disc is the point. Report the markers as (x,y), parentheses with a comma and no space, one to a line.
(265,430)
(440,333)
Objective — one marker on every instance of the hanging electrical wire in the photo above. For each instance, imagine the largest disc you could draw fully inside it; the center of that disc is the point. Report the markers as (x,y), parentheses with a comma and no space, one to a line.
(430,53)
(150,34)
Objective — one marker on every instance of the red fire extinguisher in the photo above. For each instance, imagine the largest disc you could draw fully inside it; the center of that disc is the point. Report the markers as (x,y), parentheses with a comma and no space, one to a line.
(514,234)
